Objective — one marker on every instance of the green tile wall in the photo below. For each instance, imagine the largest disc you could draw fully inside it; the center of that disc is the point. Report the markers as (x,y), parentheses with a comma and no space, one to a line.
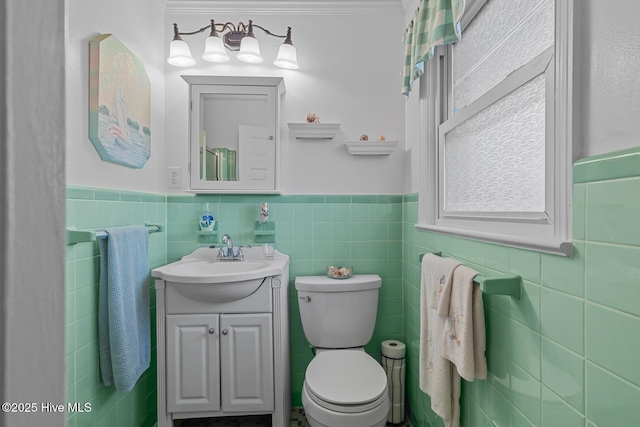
(563,355)
(98,208)
(315,231)
(566,353)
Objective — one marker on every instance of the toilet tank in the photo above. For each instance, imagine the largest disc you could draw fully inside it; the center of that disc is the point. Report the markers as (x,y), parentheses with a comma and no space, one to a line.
(338,313)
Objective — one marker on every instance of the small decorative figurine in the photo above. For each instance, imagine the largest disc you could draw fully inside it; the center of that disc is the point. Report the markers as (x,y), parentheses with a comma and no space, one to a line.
(312,118)
(364,137)
(382,138)
(264,212)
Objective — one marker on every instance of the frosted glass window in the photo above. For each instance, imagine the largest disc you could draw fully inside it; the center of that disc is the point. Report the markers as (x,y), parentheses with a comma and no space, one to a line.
(503,36)
(495,160)
(497,127)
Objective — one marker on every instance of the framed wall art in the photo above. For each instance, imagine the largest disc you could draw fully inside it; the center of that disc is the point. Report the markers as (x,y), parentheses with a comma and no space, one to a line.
(119,103)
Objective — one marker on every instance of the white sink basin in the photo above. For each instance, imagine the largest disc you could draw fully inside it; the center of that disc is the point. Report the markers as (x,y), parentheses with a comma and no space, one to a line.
(214,268)
(201,276)
(218,292)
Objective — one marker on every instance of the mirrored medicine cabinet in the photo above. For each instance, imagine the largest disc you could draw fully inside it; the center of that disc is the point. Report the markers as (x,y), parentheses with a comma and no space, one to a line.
(234,134)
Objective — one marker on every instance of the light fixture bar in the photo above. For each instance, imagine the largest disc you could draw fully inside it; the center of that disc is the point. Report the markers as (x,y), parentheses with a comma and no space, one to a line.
(239,38)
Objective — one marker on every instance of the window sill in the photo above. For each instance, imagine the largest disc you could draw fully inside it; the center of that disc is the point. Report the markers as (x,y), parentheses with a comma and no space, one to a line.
(562,248)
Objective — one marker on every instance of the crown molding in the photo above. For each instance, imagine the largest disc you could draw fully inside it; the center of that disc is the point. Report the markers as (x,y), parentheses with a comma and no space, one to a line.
(284,7)
(162,4)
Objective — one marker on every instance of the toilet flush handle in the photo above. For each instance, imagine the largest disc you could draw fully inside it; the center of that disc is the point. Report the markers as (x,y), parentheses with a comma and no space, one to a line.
(306,298)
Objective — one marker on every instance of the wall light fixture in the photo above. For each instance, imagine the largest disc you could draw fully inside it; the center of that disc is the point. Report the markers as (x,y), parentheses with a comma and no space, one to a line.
(238,38)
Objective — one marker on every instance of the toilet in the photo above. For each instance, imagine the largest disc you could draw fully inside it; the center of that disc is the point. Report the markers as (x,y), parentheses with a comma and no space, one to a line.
(343,385)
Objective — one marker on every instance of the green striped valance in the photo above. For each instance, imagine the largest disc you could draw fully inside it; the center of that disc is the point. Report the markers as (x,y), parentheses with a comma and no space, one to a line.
(437,22)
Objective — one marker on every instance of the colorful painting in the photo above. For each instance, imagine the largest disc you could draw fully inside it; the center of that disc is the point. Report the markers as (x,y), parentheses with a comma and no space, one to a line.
(119,103)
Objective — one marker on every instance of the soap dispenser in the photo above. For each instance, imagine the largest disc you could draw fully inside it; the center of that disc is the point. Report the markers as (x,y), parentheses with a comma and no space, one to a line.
(207,220)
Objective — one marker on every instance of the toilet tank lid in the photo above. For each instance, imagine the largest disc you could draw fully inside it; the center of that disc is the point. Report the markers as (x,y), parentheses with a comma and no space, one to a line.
(358,282)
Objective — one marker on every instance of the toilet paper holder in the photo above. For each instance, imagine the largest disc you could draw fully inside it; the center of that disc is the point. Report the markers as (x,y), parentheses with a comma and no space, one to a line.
(508,284)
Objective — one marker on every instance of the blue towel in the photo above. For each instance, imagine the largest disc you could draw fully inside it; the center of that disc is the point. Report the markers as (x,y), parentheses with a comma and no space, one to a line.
(124,328)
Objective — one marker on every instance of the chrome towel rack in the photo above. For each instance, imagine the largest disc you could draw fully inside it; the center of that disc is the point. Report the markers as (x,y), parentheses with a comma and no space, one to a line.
(81,236)
(508,284)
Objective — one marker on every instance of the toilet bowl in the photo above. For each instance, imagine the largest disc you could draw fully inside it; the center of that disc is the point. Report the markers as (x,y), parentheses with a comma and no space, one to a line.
(345,388)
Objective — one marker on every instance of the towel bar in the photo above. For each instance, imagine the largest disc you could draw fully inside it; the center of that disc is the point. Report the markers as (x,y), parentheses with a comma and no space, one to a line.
(509,284)
(80,236)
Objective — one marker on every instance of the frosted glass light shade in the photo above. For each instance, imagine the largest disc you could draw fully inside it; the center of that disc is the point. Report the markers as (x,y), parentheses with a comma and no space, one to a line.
(214,50)
(287,57)
(180,54)
(250,51)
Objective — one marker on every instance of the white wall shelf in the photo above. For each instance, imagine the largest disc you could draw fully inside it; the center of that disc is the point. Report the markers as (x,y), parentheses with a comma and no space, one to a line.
(265,232)
(371,148)
(211,236)
(313,131)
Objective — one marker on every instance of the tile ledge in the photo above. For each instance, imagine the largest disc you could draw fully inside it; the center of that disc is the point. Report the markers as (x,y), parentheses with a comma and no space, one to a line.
(550,246)
(603,167)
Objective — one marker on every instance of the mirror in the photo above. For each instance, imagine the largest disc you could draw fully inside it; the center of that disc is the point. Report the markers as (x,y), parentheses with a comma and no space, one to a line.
(234,133)
(228,120)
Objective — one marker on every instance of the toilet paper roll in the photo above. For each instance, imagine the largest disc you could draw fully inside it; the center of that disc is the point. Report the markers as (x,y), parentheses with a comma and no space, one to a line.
(393,349)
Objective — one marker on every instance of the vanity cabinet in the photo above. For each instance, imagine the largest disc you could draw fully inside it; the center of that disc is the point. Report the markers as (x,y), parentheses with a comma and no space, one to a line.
(234,134)
(219,362)
(220,358)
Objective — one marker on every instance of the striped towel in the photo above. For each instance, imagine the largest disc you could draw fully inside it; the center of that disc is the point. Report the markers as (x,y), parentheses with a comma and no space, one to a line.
(437,22)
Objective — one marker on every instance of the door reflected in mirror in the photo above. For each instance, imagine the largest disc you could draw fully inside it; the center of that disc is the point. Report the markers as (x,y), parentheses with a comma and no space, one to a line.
(224,134)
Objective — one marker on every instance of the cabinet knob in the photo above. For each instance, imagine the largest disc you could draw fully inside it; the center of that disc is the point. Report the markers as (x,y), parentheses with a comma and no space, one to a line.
(225,332)
(212,331)
(270,137)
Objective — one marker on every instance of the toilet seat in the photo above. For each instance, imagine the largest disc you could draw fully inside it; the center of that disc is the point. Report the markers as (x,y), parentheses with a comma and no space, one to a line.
(346,409)
(346,381)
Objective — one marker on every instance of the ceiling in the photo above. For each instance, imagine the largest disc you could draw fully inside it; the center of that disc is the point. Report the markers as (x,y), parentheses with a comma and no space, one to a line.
(284,6)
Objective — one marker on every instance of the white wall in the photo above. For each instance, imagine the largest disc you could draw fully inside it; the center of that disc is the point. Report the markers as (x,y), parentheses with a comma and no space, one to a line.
(412,119)
(350,67)
(413,125)
(610,85)
(139,26)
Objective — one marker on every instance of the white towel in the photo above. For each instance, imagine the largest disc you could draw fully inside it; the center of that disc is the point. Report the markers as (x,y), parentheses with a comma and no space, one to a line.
(463,342)
(441,280)
(435,371)
(479,335)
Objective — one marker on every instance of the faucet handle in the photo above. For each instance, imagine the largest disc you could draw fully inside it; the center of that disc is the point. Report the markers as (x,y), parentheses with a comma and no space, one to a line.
(240,254)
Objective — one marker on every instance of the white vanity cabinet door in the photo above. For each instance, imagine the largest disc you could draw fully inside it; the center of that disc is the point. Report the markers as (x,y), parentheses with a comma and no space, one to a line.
(193,363)
(246,362)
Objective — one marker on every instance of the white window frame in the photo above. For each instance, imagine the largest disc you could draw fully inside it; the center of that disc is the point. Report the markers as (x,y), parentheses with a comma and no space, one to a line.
(548,231)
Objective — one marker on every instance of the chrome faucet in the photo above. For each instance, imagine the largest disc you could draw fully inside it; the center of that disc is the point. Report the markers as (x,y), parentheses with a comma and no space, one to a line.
(231,254)
(227,239)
